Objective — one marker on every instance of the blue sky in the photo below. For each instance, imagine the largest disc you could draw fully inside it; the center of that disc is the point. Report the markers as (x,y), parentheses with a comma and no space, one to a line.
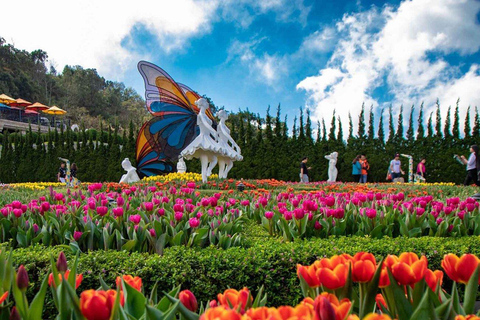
(325,55)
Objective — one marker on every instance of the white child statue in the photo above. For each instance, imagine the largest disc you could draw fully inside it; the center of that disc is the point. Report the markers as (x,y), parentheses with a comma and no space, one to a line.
(230,150)
(332,169)
(131,176)
(181,166)
(205,146)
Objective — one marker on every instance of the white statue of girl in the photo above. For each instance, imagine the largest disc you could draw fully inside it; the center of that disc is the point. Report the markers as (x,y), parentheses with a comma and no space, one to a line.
(181,166)
(332,169)
(205,145)
(131,175)
(230,149)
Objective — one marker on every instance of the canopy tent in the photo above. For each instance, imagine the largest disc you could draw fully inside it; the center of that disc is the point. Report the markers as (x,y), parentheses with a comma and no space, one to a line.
(30,111)
(6,99)
(4,106)
(37,106)
(20,103)
(55,111)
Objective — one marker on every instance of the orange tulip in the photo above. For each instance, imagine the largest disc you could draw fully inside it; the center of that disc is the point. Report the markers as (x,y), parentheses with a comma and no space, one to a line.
(263,313)
(3,297)
(469,317)
(187,298)
(387,263)
(232,298)
(460,269)
(221,313)
(78,279)
(324,309)
(353,317)
(380,301)
(409,269)
(308,273)
(434,278)
(363,271)
(376,316)
(333,278)
(97,305)
(135,282)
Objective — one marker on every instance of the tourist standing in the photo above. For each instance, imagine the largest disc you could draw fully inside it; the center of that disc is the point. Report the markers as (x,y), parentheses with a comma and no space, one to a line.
(365,167)
(396,167)
(421,169)
(471,164)
(304,170)
(356,169)
(62,173)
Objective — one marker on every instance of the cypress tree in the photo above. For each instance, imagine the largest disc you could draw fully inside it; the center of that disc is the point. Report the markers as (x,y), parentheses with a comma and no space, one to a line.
(371,124)
(410,134)
(319,130)
(278,124)
(476,125)
(308,128)
(350,126)
(331,135)
(391,128)
(430,125)
(285,129)
(421,129)
(294,130)
(381,132)
(399,133)
(438,121)
(301,134)
(340,130)
(446,130)
(324,130)
(456,122)
(467,128)
(361,123)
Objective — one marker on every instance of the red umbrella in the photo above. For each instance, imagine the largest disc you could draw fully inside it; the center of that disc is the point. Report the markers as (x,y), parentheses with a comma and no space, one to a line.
(37,106)
(20,103)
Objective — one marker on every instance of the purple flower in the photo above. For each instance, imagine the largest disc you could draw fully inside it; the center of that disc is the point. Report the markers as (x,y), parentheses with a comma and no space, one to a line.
(102,210)
(268,215)
(153,233)
(178,216)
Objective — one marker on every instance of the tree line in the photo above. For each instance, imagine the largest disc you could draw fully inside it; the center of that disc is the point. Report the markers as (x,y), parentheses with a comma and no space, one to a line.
(270,149)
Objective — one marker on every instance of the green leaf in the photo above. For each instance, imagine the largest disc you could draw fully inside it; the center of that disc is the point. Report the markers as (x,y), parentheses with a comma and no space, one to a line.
(134,301)
(371,292)
(471,292)
(425,309)
(129,245)
(403,307)
(165,303)
(36,308)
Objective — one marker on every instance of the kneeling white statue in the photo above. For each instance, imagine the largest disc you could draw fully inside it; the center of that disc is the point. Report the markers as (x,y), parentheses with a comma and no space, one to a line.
(332,169)
(131,176)
(181,166)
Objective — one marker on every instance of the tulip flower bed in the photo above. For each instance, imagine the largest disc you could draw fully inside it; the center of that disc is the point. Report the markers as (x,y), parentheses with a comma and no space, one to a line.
(345,287)
(150,217)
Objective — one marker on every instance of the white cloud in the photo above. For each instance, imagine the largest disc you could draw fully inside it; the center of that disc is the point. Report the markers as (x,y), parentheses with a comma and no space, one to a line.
(391,47)
(265,68)
(89,33)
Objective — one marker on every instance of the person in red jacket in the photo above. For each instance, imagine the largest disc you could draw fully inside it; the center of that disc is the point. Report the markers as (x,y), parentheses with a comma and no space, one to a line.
(365,168)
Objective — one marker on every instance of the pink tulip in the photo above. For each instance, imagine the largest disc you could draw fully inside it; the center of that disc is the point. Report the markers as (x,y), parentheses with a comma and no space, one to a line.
(136,218)
(17,212)
(153,233)
(178,216)
(148,206)
(194,222)
(118,211)
(161,212)
(268,215)
(102,210)
(77,235)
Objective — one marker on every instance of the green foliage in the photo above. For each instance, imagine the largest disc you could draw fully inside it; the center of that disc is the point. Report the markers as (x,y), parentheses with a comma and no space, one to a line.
(208,271)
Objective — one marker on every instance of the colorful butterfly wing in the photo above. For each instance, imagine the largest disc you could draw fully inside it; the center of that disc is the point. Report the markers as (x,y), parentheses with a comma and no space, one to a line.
(192,96)
(160,87)
(150,160)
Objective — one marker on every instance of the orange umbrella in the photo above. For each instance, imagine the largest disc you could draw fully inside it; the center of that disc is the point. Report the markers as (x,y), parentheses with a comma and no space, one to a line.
(21,103)
(6,99)
(37,106)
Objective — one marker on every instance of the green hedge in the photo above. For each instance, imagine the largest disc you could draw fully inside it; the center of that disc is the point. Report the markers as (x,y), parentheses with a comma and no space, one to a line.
(209,271)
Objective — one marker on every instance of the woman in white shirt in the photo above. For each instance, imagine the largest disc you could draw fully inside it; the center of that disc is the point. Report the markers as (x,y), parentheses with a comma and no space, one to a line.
(471,164)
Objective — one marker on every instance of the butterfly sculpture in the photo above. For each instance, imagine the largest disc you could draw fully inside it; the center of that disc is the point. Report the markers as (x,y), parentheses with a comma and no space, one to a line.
(173,126)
